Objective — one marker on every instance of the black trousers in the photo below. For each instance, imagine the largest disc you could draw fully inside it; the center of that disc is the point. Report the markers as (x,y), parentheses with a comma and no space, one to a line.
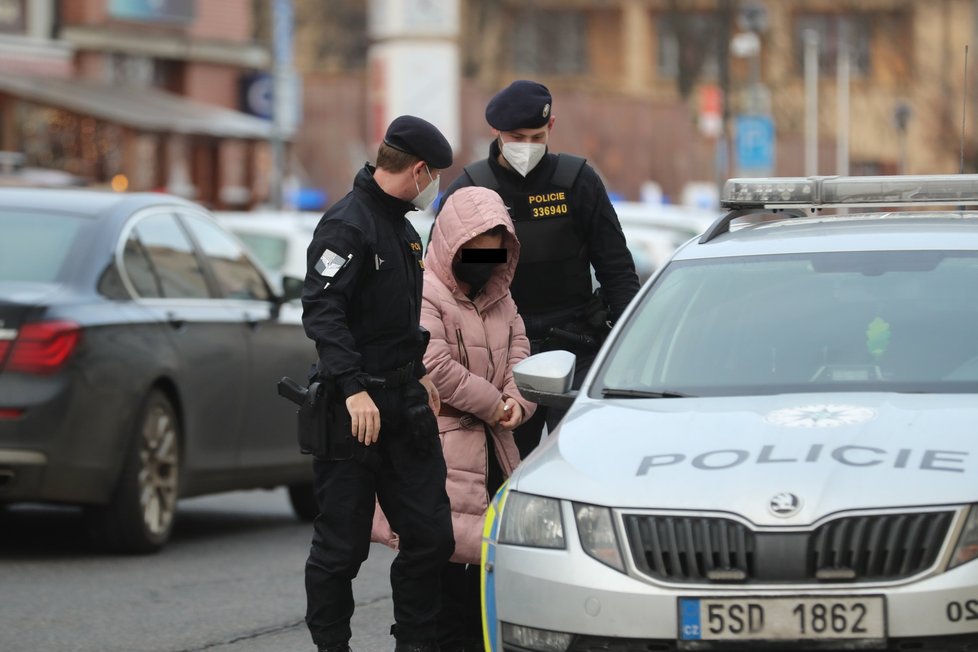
(528,434)
(460,619)
(410,487)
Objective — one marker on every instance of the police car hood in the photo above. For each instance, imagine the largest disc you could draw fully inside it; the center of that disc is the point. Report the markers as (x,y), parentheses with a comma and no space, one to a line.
(775,460)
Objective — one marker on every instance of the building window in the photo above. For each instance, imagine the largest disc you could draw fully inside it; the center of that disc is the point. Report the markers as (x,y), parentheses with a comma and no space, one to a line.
(549,43)
(13,16)
(62,140)
(689,42)
(834,30)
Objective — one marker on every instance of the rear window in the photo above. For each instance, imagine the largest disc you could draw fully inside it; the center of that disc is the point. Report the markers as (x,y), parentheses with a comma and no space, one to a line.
(34,246)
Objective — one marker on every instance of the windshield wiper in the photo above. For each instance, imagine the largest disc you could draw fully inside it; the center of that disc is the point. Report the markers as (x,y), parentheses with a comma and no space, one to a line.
(612,392)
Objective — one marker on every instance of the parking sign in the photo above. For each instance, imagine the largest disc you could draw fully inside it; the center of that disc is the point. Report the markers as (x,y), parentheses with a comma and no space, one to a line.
(754,145)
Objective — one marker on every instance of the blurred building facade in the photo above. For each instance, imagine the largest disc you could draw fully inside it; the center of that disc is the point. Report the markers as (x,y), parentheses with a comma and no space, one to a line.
(638,84)
(173,94)
(140,95)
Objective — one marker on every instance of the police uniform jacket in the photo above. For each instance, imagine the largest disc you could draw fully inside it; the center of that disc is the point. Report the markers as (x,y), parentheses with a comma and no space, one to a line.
(362,295)
(563,231)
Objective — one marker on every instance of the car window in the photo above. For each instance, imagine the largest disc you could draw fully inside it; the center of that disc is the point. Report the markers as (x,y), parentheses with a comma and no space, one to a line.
(172,257)
(35,246)
(237,276)
(270,250)
(139,269)
(852,321)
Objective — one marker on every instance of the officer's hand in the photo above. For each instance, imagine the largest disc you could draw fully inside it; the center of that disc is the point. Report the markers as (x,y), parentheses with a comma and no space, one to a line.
(364,417)
(434,400)
(514,414)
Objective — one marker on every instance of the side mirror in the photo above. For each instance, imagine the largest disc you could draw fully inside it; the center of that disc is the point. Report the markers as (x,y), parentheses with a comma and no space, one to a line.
(546,378)
(291,288)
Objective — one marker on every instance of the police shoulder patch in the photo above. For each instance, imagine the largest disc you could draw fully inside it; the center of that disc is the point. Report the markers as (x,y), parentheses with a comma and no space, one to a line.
(330,263)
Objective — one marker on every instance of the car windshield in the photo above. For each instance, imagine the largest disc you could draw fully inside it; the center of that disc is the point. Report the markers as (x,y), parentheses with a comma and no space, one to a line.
(35,246)
(849,321)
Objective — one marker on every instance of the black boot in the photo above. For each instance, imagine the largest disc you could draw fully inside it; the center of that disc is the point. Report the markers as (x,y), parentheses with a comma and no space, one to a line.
(424,646)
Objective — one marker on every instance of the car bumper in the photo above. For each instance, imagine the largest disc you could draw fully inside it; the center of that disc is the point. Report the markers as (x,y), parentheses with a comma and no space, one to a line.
(567,591)
(64,444)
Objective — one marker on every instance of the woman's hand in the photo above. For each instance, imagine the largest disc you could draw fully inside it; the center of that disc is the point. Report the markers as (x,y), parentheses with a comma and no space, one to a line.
(434,400)
(512,413)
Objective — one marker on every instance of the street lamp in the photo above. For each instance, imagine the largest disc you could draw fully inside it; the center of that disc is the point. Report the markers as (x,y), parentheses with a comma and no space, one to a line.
(901,116)
(752,18)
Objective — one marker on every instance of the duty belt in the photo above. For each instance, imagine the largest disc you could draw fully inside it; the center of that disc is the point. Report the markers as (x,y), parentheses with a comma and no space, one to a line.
(391,379)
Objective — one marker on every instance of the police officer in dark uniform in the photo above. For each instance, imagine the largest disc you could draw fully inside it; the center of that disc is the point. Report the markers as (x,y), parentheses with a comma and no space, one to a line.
(565,224)
(362,305)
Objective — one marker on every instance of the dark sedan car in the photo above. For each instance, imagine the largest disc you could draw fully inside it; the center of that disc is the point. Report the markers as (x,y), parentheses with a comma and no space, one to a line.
(139,351)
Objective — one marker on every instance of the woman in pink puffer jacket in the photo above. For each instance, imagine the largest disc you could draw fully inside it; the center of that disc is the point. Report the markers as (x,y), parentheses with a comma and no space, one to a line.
(476,338)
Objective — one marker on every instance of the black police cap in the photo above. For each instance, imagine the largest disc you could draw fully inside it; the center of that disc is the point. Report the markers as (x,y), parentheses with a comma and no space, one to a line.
(420,138)
(523,104)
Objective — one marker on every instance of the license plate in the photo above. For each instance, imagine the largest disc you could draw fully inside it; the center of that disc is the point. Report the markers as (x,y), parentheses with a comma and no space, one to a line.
(784,618)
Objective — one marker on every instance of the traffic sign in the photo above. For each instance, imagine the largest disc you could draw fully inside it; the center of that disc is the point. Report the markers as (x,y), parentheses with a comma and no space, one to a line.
(754,145)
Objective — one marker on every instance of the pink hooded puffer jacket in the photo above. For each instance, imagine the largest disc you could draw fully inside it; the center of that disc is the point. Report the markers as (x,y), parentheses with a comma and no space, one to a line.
(474,345)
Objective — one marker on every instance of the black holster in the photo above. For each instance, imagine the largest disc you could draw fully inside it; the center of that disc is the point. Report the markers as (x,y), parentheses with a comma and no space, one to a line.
(324,425)
(333,429)
(312,421)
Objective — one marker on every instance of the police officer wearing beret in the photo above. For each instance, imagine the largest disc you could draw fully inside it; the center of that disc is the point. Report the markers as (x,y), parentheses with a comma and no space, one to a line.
(362,306)
(565,224)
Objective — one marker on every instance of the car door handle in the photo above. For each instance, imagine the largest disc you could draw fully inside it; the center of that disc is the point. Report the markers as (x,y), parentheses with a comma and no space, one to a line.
(252,321)
(176,321)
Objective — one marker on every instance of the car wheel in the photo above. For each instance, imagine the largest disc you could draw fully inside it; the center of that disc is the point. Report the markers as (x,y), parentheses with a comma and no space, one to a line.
(139,518)
(303,499)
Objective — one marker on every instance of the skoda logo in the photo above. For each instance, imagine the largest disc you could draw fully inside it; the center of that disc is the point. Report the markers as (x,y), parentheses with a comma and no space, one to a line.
(784,504)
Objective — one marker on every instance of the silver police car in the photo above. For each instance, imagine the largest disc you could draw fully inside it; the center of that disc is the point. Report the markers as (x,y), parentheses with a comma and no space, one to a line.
(777,447)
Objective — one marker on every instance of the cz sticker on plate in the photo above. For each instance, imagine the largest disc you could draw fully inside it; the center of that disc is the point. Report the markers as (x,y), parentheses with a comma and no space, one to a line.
(782,618)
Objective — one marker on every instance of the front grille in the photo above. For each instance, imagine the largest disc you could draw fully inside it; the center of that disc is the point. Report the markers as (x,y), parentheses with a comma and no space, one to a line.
(687,548)
(862,548)
(882,547)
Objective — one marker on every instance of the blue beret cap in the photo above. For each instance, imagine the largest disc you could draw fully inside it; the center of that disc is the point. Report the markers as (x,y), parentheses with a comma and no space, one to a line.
(419,138)
(521,105)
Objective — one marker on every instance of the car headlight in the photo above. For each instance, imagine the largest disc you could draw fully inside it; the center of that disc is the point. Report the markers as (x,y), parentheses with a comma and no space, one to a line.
(531,521)
(967,548)
(598,536)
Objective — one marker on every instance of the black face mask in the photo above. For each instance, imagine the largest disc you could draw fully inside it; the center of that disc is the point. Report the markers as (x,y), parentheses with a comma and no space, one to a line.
(475,274)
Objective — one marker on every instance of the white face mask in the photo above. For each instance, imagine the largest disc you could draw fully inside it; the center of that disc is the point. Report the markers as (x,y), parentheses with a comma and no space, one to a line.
(524,156)
(426,197)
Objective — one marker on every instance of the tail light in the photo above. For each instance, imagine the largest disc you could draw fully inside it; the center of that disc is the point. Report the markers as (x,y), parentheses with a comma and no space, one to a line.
(5,342)
(42,347)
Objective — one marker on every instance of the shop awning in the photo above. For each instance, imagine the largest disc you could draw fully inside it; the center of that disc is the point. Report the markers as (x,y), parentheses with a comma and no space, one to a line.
(146,109)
